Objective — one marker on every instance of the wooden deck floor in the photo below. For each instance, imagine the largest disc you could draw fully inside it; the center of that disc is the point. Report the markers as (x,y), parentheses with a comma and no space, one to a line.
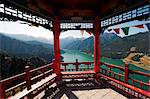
(84,90)
(95,94)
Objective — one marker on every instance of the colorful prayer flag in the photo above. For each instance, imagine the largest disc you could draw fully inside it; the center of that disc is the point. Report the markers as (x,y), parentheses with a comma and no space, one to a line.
(102,31)
(88,31)
(139,26)
(125,30)
(109,30)
(117,30)
(148,26)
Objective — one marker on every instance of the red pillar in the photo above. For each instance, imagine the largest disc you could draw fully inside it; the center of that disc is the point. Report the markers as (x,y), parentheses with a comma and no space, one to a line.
(96,46)
(1,91)
(56,31)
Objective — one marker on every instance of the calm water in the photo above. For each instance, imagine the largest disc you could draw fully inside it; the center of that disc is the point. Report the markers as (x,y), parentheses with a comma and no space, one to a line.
(71,56)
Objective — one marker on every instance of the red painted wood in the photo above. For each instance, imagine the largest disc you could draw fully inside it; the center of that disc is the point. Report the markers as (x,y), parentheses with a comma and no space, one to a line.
(77,73)
(28,77)
(112,65)
(96,45)
(77,66)
(126,73)
(146,93)
(56,33)
(140,73)
(1,91)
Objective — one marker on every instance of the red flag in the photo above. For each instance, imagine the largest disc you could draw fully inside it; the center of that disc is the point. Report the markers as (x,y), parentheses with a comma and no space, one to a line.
(117,30)
(139,26)
(88,31)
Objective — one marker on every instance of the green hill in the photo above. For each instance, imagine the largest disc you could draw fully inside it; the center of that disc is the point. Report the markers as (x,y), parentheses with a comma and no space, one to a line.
(113,46)
(24,49)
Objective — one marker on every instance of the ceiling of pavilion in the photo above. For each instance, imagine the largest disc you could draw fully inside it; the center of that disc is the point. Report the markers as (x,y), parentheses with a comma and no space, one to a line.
(84,8)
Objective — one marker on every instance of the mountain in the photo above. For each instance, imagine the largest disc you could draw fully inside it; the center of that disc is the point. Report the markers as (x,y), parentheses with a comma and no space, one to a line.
(65,41)
(24,37)
(19,48)
(87,46)
(12,65)
(120,48)
(46,45)
(113,46)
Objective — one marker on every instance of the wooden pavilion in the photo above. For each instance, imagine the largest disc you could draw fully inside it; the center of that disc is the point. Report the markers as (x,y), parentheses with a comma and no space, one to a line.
(62,15)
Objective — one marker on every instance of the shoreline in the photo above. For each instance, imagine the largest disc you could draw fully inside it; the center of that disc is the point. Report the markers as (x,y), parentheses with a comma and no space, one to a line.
(144,62)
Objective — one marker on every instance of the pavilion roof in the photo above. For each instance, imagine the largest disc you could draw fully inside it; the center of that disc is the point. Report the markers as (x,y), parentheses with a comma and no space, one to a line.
(84,8)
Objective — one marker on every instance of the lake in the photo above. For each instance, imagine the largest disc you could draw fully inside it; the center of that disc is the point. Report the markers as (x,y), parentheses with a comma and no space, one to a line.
(71,56)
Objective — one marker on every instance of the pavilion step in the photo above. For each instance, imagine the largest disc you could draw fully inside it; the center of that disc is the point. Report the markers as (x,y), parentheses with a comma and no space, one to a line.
(78,75)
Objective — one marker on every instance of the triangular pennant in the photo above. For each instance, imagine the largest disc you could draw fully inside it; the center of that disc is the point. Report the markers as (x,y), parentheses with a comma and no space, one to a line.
(148,26)
(102,31)
(139,26)
(109,30)
(89,32)
(125,30)
(117,30)
(82,32)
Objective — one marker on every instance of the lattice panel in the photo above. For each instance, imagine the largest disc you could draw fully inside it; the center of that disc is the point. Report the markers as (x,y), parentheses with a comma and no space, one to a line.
(10,11)
(76,26)
(134,13)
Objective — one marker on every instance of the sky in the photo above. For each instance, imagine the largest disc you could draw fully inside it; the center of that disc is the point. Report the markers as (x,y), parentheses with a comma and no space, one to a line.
(18,28)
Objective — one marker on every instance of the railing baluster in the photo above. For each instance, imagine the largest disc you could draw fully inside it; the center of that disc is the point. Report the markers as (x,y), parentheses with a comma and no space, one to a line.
(118,77)
(77,65)
(28,77)
(65,67)
(132,82)
(141,85)
(88,67)
(109,70)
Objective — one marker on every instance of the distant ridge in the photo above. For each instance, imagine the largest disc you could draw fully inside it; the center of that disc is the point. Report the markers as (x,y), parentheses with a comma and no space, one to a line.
(24,49)
(113,46)
(24,37)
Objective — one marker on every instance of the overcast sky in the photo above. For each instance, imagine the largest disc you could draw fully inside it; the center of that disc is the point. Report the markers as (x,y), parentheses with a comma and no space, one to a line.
(17,28)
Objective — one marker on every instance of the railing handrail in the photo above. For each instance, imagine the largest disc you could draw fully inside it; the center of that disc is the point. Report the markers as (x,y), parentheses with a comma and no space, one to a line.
(125,74)
(122,68)
(22,74)
(112,65)
(42,67)
(26,77)
(12,78)
(76,62)
(45,70)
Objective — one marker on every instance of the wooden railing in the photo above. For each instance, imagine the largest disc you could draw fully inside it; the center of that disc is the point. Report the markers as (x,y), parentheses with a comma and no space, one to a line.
(121,80)
(14,84)
(76,66)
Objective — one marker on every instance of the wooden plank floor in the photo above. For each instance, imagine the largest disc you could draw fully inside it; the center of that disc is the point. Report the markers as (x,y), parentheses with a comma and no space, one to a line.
(95,94)
(86,90)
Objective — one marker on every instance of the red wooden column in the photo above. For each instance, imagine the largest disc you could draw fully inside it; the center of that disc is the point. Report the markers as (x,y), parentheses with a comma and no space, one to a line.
(96,45)
(1,91)
(56,32)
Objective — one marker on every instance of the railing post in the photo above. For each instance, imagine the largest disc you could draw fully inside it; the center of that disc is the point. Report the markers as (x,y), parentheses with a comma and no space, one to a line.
(28,77)
(77,65)
(65,68)
(109,70)
(56,70)
(126,72)
(1,91)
